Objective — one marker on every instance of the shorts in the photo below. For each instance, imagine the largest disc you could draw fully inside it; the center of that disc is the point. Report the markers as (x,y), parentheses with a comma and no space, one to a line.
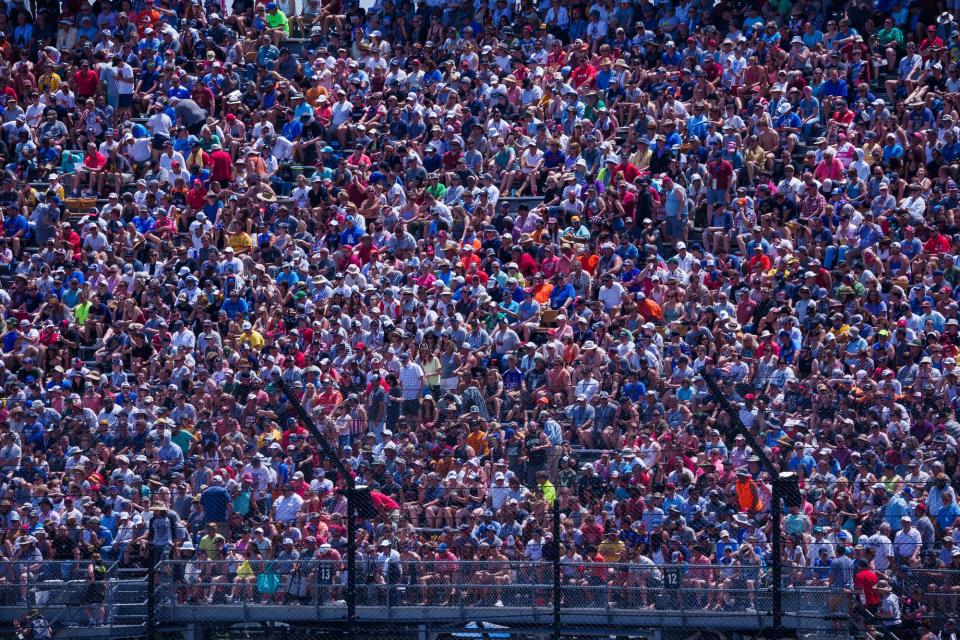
(411,407)
(158,141)
(716,196)
(675,226)
(124,100)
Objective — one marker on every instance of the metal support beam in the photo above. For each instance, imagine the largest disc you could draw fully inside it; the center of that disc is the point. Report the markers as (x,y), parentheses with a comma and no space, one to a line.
(348,479)
(776,561)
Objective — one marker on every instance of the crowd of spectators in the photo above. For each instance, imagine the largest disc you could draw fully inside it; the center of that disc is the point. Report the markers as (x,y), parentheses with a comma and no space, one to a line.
(489,245)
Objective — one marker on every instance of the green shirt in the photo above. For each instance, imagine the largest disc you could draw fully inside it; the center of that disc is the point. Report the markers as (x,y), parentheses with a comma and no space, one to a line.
(886,36)
(182,439)
(277,19)
(590,112)
(437,191)
(82,311)
(549,492)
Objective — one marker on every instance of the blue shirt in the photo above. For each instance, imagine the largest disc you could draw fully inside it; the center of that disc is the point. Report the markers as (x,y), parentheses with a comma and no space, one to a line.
(892,151)
(836,87)
(214,501)
(947,515)
(234,308)
(351,236)
(896,509)
(559,296)
(14,225)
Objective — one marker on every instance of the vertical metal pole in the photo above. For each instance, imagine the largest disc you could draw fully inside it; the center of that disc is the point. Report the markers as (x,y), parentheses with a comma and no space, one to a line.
(556,568)
(151,604)
(351,559)
(736,426)
(777,558)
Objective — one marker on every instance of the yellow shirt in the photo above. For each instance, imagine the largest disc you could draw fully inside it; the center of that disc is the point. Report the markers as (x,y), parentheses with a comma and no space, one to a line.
(82,312)
(868,153)
(196,158)
(252,338)
(431,370)
(641,159)
(757,155)
(269,436)
(240,242)
(244,570)
(549,492)
(278,19)
(208,544)
(50,80)
(478,441)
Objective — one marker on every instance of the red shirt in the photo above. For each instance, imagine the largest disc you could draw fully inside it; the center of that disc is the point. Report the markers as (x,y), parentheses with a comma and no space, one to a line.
(629,201)
(196,197)
(583,75)
(762,261)
(592,533)
(323,114)
(363,160)
(95,161)
(721,172)
(927,43)
(866,582)
(450,160)
(204,97)
(599,569)
(221,165)
(549,266)
(86,82)
(629,171)
(937,244)
(527,265)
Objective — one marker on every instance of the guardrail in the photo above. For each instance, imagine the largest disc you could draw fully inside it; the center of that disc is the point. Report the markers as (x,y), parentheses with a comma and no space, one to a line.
(512,592)
(205,591)
(73,593)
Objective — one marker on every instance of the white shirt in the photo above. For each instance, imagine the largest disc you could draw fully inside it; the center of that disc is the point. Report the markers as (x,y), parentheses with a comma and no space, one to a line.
(340,112)
(610,296)
(287,507)
(183,338)
(159,124)
(411,380)
(883,550)
(906,543)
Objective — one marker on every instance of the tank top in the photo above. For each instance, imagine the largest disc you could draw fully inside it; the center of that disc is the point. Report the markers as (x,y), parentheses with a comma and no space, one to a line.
(448,364)
(804,367)
(535,456)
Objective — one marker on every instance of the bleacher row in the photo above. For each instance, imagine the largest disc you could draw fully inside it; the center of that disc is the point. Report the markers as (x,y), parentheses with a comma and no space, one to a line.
(298,45)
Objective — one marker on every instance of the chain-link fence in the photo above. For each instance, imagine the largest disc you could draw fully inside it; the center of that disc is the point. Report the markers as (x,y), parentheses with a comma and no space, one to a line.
(71,593)
(507,592)
(497,590)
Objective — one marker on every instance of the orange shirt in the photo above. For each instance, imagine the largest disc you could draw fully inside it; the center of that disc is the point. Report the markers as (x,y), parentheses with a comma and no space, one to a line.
(478,441)
(469,259)
(650,310)
(542,293)
(314,93)
(590,263)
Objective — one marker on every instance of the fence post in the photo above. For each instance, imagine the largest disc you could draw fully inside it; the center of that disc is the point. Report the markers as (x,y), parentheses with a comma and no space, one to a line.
(151,603)
(556,568)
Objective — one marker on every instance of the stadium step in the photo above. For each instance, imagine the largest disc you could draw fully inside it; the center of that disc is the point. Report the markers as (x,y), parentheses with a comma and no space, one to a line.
(516,201)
